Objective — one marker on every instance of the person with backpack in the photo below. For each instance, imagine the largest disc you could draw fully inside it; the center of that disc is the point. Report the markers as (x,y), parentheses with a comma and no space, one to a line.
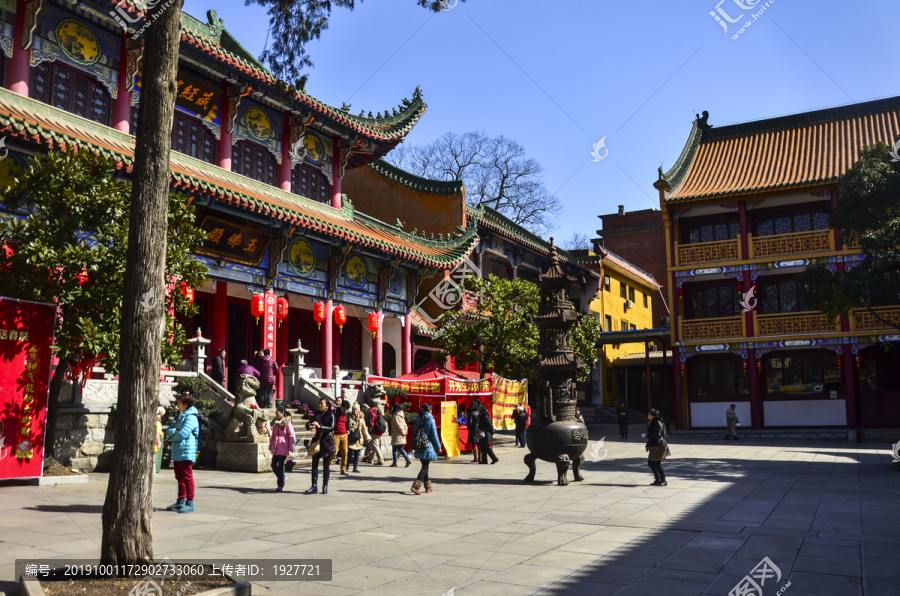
(357,435)
(399,428)
(486,426)
(184,434)
(656,446)
(281,444)
(426,444)
(379,427)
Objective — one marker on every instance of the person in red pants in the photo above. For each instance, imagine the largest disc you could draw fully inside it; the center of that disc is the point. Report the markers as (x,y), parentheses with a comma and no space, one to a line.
(184,435)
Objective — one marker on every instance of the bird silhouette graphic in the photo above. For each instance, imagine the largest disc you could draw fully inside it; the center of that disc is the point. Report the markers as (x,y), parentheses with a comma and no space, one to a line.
(298,150)
(595,451)
(148,300)
(749,301)
(595,153)
(445,6)
(896,447)
(895,154)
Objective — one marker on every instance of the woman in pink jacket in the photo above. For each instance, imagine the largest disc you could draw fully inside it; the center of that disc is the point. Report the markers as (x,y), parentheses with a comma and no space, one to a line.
(281,444)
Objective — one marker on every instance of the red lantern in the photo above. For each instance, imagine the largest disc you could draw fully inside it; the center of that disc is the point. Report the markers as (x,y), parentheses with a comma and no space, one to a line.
(187,291)
(340,317)
(319,313)
(759,366)
(257,306)
(281,309)
(680,292)
(744,365)
(857,359)
(373,322)
(682,368)
(839,360)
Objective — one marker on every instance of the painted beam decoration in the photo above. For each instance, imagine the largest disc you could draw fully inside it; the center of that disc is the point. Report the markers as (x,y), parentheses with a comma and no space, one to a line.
(234,242)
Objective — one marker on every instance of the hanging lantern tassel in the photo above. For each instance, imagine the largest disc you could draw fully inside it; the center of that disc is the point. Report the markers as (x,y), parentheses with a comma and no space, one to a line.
(319,313)
(759,365)
(281,309)
(340,317)
(839,360)
(744,365)
(257,306)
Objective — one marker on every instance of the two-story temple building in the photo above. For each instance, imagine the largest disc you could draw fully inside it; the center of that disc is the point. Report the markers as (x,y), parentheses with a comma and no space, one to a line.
(746,207)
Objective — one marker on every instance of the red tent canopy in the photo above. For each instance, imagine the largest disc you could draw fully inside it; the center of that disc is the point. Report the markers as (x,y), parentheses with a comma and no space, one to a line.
(432,371)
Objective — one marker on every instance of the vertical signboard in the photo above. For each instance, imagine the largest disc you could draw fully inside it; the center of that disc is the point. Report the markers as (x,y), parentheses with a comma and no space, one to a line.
(449,428)
(269,322)
(26,333)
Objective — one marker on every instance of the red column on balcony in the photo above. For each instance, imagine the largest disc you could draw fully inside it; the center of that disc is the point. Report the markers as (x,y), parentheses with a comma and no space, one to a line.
(19,66)
(406,347)
(336,176)
(121,115)
(327,338)
(284,170)
(377,339)
(223,149)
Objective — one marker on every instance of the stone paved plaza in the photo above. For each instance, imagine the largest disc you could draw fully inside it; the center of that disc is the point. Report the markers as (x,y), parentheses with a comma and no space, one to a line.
(826,514)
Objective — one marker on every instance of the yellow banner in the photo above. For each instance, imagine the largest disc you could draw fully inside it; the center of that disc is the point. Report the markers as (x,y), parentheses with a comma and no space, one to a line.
(449,428)
(506,396)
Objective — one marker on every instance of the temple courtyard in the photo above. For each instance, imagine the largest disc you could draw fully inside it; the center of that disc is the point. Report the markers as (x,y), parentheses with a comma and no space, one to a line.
(795,516)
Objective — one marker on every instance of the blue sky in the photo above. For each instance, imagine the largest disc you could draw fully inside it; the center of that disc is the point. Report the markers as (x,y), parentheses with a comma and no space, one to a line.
(558,76)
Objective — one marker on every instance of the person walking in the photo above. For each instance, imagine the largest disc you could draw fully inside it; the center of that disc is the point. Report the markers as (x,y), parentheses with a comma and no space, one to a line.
(622,418)
(486,426)
(281,444)
(426,445)
(475,432)
(268,373)
(656,446)
(378,426)
(357,435)
(399,428)
(184,435)
(731,422)
(218,368)
(323,422)
(520,417)
(341,433)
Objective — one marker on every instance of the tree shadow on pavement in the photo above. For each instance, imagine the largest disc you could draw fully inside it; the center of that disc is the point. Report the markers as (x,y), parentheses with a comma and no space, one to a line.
(76,508)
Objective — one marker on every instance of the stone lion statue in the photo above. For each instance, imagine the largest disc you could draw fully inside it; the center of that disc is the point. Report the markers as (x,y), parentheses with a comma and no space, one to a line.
(246,419)
(375,395)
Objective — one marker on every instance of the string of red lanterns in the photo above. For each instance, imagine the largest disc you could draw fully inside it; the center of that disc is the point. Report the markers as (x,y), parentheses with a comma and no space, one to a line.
(281,309)
(340,317)
(257,306)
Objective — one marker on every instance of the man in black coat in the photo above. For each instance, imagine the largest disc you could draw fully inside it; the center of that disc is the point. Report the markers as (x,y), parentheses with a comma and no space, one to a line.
(622,415)
(218,368)
(520,417)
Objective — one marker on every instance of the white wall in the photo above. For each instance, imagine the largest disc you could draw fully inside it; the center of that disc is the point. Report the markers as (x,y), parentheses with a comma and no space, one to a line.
(712,414)
(806,412)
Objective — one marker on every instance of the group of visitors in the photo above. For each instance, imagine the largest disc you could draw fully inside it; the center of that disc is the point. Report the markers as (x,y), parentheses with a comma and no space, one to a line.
(264,368)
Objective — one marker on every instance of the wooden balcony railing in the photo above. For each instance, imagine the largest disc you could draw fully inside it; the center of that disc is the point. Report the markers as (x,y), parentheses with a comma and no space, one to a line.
(791,244)
(793,323)
(707,252)
(721,328)
(861,319)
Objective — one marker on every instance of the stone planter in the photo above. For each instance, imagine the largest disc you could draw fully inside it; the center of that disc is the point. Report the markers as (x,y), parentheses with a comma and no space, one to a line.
(58,480)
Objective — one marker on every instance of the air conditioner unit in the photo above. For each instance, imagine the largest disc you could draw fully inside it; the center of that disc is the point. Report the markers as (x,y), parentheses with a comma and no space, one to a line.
(629,305)
(606,282)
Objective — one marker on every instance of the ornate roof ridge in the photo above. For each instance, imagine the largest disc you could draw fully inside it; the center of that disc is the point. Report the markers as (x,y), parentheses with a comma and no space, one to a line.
(623,262)
(416,182)
(679,169)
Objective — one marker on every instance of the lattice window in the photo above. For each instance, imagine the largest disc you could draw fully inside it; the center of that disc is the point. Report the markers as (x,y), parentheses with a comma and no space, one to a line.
(783,225)
(190,137)
(711,232)
(716,378)
(254,161)
(68,89)
(309,181)
(768,225)
(712,300)
(779,296)
(820,221)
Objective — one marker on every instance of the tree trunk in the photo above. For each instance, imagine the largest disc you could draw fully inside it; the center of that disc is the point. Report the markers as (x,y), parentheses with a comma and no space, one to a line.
(127,523)
(53,407)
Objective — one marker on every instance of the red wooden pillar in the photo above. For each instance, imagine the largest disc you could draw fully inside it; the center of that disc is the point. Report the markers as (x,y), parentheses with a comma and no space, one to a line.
(269,326)
(219,322)
(757,410)
(223,149)
(377,340)
(336,345)
(336,176)
(19,68)
(327,338)
(121,115)
(406,347)
(282,342)
(284,170)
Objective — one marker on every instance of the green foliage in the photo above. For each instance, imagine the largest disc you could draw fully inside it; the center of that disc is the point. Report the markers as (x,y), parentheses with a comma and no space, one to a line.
(293,24)
(394,392)
(499,333)
(584,337)
(868,210)
(193,385)
(76,213)
(207,407)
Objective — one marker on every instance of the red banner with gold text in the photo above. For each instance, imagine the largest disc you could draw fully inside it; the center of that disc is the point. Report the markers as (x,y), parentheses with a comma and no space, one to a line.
(26,333)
